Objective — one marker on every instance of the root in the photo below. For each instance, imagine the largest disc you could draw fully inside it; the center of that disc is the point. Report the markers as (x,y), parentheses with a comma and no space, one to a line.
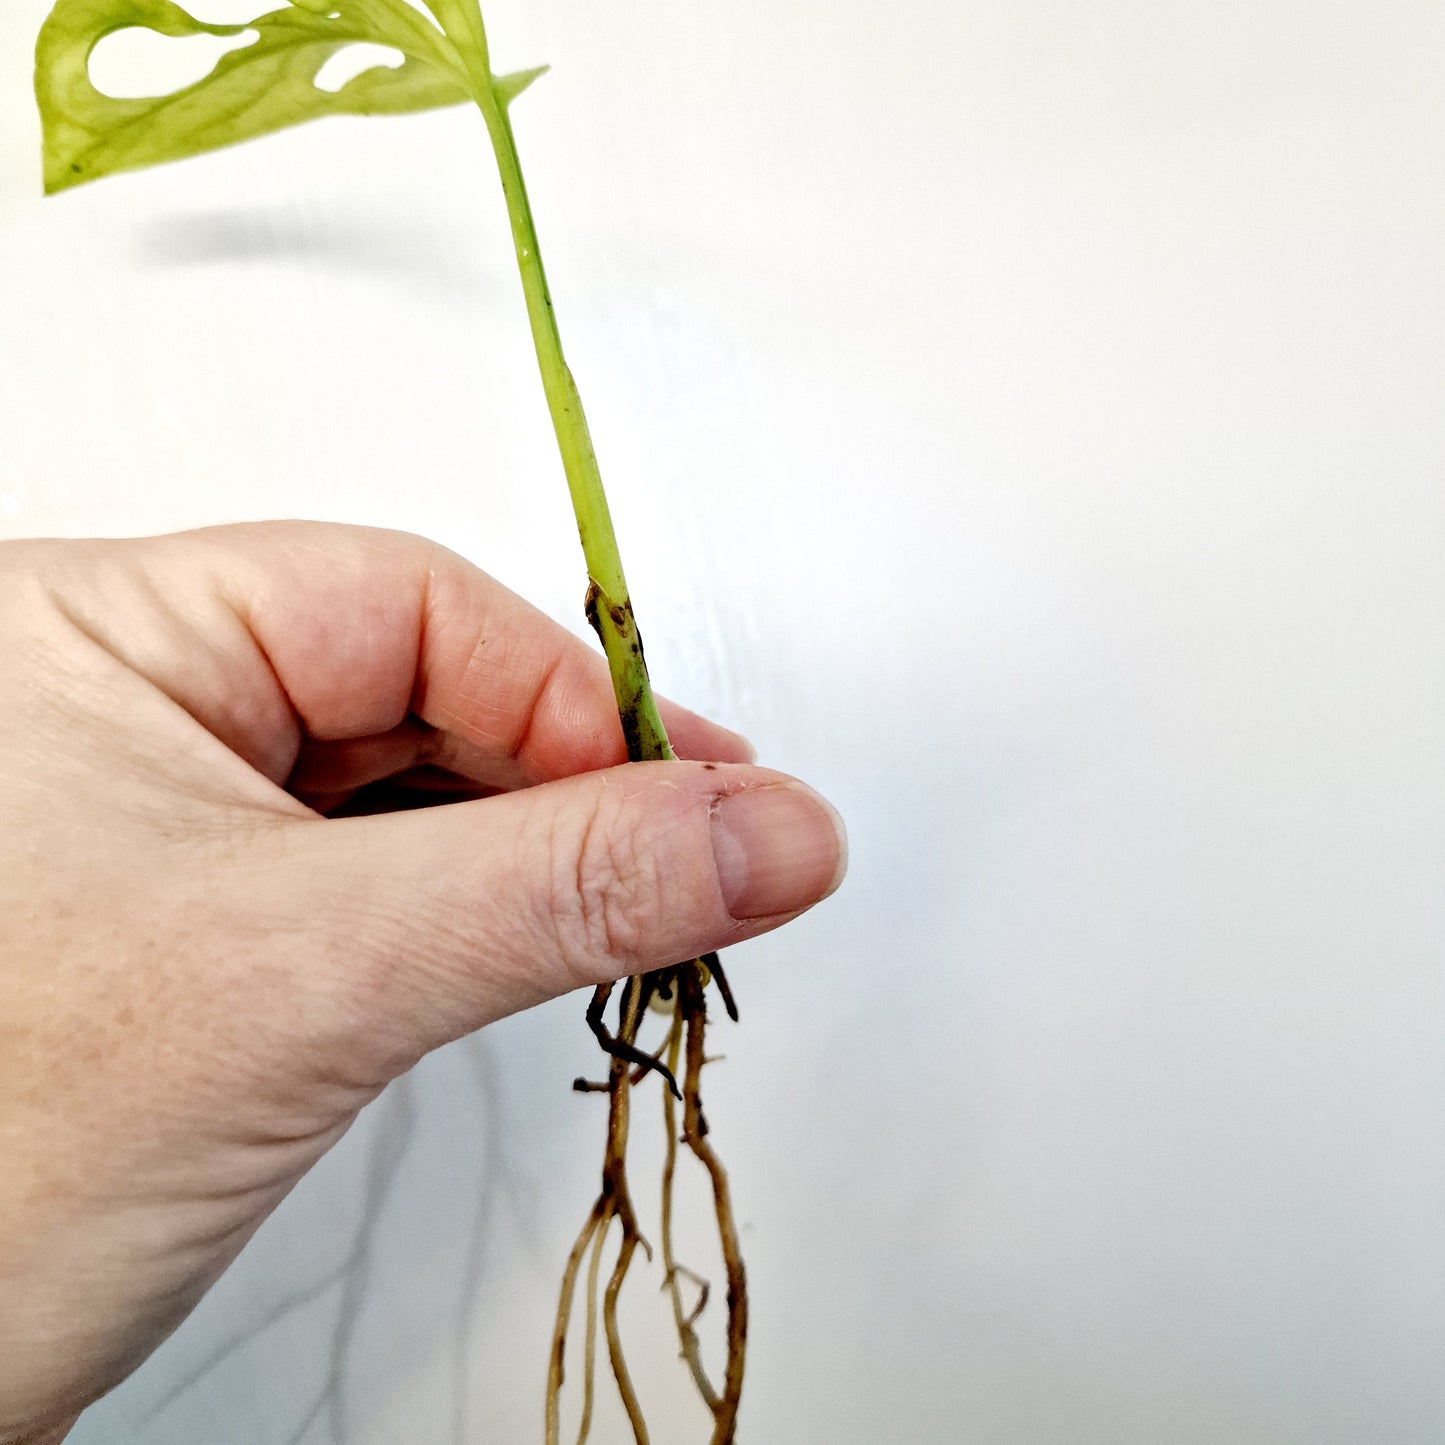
(622,1046)
(614,1184)
(613,1202)
(589,1351)
(713,964)
(684,989)
(555,1370)
(683,1320)
(654,1059)
(693,1006)
(614,1339)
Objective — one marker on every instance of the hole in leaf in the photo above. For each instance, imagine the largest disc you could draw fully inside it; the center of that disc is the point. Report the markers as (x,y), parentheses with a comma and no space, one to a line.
(140,64)
(349,62)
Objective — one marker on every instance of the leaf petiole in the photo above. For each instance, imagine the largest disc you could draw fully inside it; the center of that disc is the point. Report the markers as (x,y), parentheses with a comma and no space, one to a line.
(609,606)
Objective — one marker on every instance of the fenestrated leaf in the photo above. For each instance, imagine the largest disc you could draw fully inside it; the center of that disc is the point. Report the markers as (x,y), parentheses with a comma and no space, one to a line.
(266,86)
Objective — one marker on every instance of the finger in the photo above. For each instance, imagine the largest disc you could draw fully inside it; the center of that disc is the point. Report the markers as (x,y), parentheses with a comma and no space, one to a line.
(345,764)
(363,628)
(327,768)
(694,737)
(445,920)
(274,633)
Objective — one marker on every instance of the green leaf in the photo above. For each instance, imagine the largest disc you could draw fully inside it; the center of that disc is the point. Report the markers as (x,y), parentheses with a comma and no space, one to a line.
(268,85)
(508,87)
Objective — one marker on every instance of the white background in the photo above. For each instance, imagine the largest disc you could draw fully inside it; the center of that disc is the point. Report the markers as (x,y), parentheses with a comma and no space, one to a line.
(1024,419)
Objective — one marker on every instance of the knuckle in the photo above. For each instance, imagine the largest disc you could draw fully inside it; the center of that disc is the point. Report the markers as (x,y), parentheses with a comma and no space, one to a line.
(603,889)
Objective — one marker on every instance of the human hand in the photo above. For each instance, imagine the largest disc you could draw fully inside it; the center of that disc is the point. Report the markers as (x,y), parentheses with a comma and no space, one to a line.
(205,980)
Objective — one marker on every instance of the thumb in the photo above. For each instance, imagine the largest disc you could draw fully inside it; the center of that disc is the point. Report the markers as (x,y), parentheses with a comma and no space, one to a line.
(441,920)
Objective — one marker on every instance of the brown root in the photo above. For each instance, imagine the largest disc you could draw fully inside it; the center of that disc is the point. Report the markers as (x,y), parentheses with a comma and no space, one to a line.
(589,1349)
(555,1370)
(621,1046)
(693,1006)
(683,1320)
(685,988)
(620,1372)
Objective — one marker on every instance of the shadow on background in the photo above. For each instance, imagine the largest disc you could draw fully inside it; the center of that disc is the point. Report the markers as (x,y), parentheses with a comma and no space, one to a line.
(422,259)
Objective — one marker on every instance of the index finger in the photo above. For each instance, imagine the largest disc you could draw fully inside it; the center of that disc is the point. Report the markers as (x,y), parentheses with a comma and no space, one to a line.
(341,632)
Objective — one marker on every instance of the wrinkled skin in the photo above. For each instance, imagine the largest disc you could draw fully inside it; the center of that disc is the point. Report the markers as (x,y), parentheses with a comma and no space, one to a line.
(206,976)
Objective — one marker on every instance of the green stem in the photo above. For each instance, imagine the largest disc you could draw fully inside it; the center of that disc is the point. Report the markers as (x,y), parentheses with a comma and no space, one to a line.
(609,607)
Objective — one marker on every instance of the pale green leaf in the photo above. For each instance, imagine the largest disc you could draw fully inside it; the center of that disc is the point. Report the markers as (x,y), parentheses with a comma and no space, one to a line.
(265,86)
(508,87)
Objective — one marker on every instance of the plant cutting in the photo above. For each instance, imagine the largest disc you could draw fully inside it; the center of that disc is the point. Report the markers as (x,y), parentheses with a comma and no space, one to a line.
(266,85)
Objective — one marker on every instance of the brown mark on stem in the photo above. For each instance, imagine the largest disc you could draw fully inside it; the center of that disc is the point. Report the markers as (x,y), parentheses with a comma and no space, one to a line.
(616,627)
